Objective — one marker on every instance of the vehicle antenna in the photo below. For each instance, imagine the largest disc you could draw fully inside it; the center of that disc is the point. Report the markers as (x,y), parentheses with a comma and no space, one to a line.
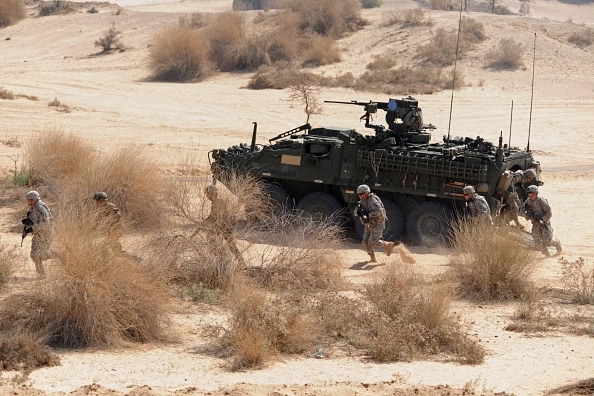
(511,117)
(454,76)
(532,94)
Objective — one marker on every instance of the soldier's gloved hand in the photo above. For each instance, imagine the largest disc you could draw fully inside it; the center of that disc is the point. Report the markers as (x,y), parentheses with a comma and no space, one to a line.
(356,212)
(28,230)
(27,222)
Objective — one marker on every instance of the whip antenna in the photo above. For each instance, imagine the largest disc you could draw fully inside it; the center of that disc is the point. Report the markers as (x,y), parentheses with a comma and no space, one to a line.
(454,76)
(511,117)
(532,93)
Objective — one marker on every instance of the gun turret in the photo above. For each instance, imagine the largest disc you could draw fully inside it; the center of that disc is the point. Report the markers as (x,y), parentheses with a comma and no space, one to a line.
(406,109)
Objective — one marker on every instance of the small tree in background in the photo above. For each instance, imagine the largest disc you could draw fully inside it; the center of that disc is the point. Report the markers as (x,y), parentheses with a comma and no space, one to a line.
(110,40)
(306,92)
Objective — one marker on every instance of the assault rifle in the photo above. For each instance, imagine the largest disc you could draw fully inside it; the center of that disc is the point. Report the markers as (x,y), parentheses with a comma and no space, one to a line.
(362,213)
(27,228)
(530,215)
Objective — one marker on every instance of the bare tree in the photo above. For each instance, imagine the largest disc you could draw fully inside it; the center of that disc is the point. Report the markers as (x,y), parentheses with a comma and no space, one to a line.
(305,92)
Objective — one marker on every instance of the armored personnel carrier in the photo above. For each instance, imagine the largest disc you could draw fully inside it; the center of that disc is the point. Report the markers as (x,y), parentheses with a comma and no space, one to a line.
(317,170)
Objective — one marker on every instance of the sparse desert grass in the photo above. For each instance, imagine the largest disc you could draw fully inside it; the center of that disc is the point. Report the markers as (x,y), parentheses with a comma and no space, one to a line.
(330,17)
(93,295)
(578,279)
(472,30)
(24,352)
(506,56)
(409,17)
(441,49)
(180,54)
(583,38)
(322,51)
(56,7)
(491,263)
(59,106)
(6,94)
(9,257)
(278,76)
(111,40)
(11,11)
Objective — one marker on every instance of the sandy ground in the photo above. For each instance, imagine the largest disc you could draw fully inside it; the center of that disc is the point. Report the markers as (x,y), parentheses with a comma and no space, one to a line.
(113,105)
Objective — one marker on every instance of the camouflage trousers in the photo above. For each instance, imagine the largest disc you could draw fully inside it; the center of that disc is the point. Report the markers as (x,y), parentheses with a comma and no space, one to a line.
(372,236)
(542,235)
(40,249)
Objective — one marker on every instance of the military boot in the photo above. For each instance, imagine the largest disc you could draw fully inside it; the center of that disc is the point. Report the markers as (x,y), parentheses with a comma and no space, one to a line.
(558,247)
(372,258)
(389,247)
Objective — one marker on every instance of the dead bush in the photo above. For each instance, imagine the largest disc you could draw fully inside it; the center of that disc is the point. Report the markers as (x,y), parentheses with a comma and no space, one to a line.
(225,33)
(93,296)
(578,279)
(381,62)
(180,54)
(491,263)
(420,80)
(110,40)
(11,11)
(6,94)
(447,5)
(25,352)
(9,258)
(472,30)
(583,38)
(329,17)
(278,76)
(409,17)
(59,106)
(507,55)
(322,51)
(441,49)
(56,7)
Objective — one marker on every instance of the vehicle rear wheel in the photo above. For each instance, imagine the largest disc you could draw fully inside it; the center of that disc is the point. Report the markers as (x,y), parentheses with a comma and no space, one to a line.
(395,224)
(429,224)
(319,206)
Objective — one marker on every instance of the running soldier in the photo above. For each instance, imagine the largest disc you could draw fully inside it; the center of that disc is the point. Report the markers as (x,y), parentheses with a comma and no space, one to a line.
(370,211)
(39,220)
(538,211)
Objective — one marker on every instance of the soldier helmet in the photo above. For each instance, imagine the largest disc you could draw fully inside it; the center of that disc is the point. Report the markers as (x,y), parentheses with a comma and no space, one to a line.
(529,174)
(211,189)
(532,189)
(468,190)
(100,196)
(33,195)
(363,188)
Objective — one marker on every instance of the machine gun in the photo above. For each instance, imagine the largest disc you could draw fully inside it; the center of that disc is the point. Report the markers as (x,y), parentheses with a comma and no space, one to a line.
(406,109)
(27,228)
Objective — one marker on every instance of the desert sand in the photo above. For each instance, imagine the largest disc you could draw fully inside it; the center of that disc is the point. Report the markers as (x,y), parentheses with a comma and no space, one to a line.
(113,104)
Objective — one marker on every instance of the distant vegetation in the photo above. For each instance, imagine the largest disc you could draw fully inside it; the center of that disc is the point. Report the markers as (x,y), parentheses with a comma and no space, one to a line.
(111,40)
(507,55)
(583,38)
(11,11)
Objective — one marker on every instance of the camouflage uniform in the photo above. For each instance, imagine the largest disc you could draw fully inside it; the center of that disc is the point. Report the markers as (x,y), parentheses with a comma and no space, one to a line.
(476,205)
(374,224)
(41,216)
(539,213)
(109,220)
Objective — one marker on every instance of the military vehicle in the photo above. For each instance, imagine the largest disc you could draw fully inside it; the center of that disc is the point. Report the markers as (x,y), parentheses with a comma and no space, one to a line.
(317,170)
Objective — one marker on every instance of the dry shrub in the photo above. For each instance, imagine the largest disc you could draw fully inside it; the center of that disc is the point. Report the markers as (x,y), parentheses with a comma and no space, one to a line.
(409,17)
(9,258)
(93,294)
(25,352)
(421,314)
(441,49)
(180,54)
(11,11)
(507,55)
(110,40)
(56,7)
(322,51)
(472,30)
(225,34)
(583,38)
(381,62)
(578,279)
(59,106)
(491,263)
(421,80)
(442,5)
(280,76)
(6,94)
(304,255)
(329,17)
(261,326)
(55,156)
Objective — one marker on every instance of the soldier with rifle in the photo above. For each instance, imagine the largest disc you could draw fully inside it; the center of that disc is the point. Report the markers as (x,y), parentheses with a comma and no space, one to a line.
(370,211)
(538,211)
(38,222)
(476,205)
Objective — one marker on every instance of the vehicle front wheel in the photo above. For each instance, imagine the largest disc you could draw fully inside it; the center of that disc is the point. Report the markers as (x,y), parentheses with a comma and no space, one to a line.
(429,224)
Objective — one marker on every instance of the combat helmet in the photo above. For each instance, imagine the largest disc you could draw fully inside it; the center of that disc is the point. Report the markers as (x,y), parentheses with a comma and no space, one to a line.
(363,188)
(530,173)
(100,196)
(532,189)
(468,190)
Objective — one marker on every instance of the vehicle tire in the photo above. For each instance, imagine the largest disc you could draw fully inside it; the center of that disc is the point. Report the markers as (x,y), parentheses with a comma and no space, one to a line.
(429,224)
(319,206)
(395,223)
(280,200)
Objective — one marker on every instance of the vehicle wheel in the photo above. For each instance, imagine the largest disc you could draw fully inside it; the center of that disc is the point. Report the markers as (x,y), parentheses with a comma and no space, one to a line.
(395,223)
(280,200)
(428,224)
(318,206)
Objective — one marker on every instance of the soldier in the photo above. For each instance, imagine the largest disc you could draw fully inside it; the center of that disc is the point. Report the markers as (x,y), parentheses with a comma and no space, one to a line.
(110,218)
(476,205)
(537,210)
(222,220)
(39,219)
(372,214)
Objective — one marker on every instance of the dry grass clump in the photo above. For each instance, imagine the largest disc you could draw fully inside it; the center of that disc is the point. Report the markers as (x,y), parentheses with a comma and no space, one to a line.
(583,38)
(262,326)
(180,54)
(56,7)
(6,94)
(225,33)
(409,17)
(9,257)
(11,11)
(491,263)
(506,56)
(321,52)
(441,49)
(93,294)
(329,17)
(472,30)
(278,76)
(421,80)
(583,387)
(578,279)
(24,352)
(110,40)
